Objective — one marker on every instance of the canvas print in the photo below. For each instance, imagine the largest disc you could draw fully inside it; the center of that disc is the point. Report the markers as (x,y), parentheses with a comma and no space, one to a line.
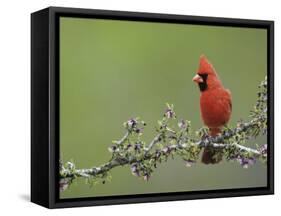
(150,107)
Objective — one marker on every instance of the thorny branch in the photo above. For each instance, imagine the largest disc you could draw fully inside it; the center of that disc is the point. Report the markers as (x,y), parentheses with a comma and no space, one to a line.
(174,138)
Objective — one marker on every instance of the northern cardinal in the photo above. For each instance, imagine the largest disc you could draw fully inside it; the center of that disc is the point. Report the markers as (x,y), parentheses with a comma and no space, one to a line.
(215,105)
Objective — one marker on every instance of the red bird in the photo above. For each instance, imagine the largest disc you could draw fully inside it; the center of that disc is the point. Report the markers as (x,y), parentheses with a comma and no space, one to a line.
(215,105)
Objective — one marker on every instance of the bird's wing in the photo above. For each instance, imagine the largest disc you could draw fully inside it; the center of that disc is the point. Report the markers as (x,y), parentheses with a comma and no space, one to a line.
(228,97)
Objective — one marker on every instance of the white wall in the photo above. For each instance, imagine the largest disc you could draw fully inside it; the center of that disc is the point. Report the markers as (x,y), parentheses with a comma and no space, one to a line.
(15,105)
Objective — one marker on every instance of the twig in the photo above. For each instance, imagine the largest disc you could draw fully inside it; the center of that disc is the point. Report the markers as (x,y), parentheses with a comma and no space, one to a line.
(131,150)
(152,143)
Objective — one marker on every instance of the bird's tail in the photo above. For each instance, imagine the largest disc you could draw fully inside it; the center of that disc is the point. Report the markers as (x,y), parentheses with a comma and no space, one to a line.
(212,156)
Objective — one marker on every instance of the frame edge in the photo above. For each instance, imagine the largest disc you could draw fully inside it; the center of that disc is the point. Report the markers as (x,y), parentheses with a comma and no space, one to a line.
(40,107)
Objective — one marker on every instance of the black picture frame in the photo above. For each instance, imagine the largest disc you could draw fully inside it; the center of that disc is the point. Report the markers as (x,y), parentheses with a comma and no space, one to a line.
(45,106)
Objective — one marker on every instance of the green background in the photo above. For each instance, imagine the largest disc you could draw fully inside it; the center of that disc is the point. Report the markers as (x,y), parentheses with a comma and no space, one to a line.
(111,71)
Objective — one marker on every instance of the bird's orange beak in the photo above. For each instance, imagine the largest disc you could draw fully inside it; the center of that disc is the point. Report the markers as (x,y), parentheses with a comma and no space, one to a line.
(197,79)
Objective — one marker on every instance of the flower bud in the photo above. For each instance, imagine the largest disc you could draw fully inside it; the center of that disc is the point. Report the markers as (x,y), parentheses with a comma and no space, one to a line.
(169,113)
(146,177)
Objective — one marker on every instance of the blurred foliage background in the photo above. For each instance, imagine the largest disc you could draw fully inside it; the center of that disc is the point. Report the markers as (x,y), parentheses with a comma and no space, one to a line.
(113,70)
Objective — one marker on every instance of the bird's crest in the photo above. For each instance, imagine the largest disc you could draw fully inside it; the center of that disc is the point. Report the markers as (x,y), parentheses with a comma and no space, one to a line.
(205,67)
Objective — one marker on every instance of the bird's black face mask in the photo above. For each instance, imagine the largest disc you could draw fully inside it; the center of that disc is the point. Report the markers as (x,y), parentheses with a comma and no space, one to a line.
(203,85)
